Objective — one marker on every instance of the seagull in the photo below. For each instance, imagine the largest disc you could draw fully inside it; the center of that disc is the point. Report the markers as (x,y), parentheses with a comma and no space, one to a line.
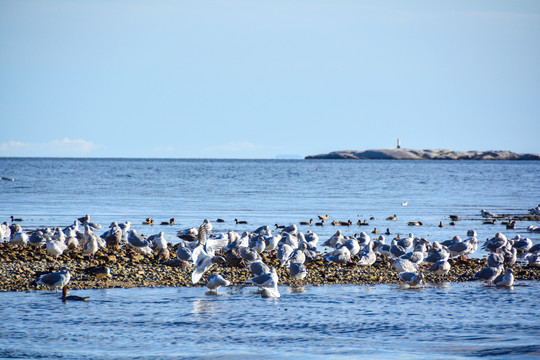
(487,214)
(55,280)
(489,273)
(411,278)
(441,267)
(19,237)
(403,265)
(91,247)
(297,271)
(341,255)
(203,263)
(506,279)
(136,242)
(258,268)
(368,256)
(215,281)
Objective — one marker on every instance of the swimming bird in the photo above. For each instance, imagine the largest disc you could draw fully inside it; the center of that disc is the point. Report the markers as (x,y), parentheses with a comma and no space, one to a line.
(65,297)
(56,280)
(15,219)
(323,217)
(392,218)
(216,281)
(506,279)
(148,221)
(404,203)
(320,223)
(411,278)
(454,217)
(240,222)
(441,224)
(310,222)
(220,220)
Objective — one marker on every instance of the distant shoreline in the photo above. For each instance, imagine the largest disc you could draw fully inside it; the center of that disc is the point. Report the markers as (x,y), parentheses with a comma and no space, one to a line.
(415,154)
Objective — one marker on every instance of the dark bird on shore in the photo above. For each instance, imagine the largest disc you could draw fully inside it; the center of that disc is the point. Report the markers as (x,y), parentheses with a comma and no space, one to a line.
(240,222)
(323,217)
(66,297)
(310,222)
(101,272)
(220,220)
(15,219)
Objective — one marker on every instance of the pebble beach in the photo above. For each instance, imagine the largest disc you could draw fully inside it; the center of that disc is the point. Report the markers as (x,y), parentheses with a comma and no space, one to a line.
(19,268)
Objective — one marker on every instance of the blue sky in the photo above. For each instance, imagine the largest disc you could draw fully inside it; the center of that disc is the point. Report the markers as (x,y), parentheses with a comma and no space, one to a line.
(259,79)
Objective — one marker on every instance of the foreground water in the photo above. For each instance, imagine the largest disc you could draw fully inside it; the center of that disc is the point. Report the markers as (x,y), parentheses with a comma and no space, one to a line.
(451,321)
(384,321)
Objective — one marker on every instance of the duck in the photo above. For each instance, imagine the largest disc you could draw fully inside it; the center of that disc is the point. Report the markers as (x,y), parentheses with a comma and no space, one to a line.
(323,217)
(310,222)
(171,222)
(15,219)
(392,218)
(441,225)
(320,223)
(240,221)
(220,220)
(404,203)
(66,297)
(148,221)
(362,223)
(375,231)
(387,232)
(454,217)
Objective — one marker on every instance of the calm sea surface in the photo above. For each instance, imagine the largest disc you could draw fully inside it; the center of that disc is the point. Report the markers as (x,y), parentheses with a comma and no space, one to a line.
(451,321)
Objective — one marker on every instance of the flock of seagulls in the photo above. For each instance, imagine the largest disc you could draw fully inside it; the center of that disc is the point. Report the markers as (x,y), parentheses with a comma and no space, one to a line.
(200,248)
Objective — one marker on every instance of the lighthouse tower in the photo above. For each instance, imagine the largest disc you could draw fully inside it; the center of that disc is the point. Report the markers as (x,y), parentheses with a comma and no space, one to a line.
(398,144)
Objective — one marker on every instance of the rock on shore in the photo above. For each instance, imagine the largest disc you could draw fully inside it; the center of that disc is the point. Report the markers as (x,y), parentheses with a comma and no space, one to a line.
(414,154)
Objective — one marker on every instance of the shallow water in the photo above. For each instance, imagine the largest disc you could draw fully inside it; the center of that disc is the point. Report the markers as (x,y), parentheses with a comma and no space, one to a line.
(457,320)
(384,321)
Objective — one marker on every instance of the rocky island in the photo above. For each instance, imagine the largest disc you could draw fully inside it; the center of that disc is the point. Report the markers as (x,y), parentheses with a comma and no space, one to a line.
(415,154)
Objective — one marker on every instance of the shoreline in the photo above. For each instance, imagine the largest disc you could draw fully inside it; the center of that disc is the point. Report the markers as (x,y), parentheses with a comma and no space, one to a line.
(18,269)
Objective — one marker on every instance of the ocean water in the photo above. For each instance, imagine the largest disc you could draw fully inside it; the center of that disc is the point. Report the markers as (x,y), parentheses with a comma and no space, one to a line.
(385,321)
